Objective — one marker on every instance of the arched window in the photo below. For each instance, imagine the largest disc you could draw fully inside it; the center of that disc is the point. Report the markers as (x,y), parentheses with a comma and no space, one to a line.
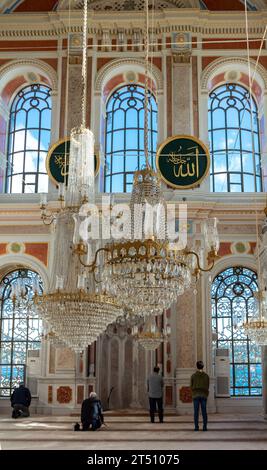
(234,140)
(20,329)
(29,140)
(125,136)
(233,300)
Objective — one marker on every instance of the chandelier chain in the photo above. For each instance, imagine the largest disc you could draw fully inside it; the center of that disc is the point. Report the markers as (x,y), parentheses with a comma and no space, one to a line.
(84,64)
(146,47)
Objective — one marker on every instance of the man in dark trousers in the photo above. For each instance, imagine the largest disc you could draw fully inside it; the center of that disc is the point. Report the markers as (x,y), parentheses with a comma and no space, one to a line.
(155,392)
(92,413)
(20,402)
(200,389)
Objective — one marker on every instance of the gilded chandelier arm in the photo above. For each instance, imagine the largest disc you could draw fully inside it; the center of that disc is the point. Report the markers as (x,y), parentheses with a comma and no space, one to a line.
(212,255)
(47,218)
(80,250)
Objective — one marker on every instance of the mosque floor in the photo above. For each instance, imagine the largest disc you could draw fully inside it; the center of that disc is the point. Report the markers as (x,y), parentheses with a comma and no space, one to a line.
(135,432)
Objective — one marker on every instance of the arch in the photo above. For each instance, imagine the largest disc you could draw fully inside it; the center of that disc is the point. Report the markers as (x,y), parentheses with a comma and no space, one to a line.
(239,64)
(25,67)
(117,66)
(234,260)
(12,262)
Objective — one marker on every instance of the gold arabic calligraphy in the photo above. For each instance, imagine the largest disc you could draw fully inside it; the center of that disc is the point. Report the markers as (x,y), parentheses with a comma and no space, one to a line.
(62,161)
(186,165)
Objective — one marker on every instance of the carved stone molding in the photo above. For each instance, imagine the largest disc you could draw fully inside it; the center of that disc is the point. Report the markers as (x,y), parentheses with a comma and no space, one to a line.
(217,66)
(181,57)
(42,67)
(56,24)
(110,68)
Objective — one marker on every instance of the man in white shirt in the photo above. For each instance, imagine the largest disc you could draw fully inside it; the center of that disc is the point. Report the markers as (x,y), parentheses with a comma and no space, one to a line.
(155,392)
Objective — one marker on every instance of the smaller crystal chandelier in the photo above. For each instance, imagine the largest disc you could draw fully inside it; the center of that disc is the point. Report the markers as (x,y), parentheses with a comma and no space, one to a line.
(149,336)
(22,300)
(256,329)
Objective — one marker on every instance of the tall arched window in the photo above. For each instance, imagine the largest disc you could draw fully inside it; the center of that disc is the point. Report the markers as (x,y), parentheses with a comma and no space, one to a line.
(29,140)
(20,329)
(232,300)
(125,136)
(234,140)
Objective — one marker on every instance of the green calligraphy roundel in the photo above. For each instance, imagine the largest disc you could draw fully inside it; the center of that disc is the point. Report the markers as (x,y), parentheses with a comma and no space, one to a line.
(183,161)
(57,161)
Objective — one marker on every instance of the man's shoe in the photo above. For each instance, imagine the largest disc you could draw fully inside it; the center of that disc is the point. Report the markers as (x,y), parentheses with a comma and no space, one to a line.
(196,429)
(204,429)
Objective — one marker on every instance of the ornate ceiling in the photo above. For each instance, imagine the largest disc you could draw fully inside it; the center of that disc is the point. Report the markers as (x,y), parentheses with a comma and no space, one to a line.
(9,6)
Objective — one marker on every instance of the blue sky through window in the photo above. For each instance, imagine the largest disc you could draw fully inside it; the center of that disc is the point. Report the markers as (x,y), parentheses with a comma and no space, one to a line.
(29,140)
(124,145)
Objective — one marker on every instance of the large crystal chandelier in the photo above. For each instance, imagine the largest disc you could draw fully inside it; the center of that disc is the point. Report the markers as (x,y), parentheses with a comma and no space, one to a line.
(76,313)
(143,269)
(149,336)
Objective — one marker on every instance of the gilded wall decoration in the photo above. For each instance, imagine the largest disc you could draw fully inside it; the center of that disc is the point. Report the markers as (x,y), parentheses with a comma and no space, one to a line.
(64,394)
(185,395)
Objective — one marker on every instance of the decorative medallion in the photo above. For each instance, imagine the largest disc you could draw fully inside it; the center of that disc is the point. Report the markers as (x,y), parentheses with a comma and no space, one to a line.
(57,161)
(64,394)
(183,161)
(185,395)
(15,248)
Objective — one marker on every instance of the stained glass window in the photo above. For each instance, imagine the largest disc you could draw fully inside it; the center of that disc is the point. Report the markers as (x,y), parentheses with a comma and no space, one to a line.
(234,140)
(233,302)
(124,146)
(20,330)
(29,140)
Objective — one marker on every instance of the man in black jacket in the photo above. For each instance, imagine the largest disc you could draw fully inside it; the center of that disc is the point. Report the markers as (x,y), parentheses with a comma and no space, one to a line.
(92,413)
(20,402)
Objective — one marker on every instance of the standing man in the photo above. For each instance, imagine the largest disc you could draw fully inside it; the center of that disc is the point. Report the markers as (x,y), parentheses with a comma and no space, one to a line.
(20,402)
(200,389)
(155,392)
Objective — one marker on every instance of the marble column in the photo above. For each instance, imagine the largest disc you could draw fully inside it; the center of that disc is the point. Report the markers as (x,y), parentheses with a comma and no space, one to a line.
(186,350)
(182,96)
(74,93)
(135,383)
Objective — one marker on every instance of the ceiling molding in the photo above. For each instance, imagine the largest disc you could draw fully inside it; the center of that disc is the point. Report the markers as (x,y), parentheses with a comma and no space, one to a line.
(202,22)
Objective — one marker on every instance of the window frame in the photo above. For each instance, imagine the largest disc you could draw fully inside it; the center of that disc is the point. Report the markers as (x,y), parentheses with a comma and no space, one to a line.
(236,92)
(41,92)
(10,314)
(222,282)
(117,94)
